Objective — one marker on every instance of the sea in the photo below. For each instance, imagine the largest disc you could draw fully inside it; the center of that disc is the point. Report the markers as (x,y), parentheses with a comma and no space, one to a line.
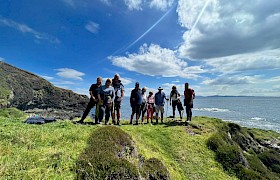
(253,112)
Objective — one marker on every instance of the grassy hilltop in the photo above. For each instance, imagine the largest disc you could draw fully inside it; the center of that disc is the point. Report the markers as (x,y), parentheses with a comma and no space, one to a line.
(207,148)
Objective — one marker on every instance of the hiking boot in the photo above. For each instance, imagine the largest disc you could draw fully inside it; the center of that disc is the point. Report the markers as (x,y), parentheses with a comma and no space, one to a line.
(114,122)
(130,122)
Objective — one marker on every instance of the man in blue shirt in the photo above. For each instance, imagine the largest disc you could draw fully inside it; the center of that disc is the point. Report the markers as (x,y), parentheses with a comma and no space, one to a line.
(135,102)
(159,102)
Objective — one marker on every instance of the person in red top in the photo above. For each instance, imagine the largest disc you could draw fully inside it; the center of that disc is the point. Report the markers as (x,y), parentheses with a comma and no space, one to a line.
(189,96)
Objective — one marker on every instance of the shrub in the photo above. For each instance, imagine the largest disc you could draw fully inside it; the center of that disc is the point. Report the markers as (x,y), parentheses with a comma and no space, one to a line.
(106,156)
(244,173)
(250,165)
(229,156)
(154,169)
(271,159)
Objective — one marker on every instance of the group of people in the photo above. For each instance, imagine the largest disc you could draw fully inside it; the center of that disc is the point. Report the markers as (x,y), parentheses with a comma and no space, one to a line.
(108,98)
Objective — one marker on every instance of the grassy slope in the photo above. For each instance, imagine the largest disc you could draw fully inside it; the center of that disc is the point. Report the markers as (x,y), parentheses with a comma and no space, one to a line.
(50,151)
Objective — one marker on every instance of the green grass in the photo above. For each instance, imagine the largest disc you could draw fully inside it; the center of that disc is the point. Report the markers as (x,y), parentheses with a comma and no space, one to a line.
(54,150)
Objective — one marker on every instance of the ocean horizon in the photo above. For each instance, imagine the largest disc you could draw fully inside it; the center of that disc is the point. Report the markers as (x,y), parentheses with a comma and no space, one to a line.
(248,111)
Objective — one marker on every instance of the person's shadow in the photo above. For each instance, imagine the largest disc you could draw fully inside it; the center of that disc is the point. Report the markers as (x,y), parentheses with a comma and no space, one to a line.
(174,122)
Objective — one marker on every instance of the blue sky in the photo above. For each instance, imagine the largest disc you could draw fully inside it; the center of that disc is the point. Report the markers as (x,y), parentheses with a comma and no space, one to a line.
(220,47)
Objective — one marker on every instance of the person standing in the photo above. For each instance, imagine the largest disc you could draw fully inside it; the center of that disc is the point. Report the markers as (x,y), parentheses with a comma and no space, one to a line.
(135,102)
(93,91)
(150,106)
(159,101)
(106,96)
(119,94)
(175,100)
(189,96)
(144,104)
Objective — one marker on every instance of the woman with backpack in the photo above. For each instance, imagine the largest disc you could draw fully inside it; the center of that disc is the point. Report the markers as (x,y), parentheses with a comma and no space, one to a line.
(175,101)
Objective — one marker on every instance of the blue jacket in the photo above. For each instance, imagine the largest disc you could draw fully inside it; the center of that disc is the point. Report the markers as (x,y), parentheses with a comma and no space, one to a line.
(159,98)
(135,97)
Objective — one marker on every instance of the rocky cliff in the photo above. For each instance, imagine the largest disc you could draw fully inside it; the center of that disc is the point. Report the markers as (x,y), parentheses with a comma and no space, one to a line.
(31,93)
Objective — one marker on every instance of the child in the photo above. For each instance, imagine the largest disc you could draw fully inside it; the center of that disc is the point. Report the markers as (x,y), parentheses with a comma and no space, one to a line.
(150,106)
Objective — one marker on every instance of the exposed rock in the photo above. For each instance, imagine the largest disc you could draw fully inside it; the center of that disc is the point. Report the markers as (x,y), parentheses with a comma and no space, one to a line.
(272,144)
(31,93)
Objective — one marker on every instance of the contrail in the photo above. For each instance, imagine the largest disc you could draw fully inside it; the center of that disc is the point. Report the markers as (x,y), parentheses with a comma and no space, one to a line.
(146,32)
(152,27)
(199,16)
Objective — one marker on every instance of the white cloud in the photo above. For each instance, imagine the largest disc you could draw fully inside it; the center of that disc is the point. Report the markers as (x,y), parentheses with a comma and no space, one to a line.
(231,80)
(92,27)
(126,81)
(240,85)
(26,29)
(107,2)
(133,4)
(161,4)
(63,82)
(264,60)
(81,91)
(47,77)
(156,61)
(70,73)
(275,79)
(229,27)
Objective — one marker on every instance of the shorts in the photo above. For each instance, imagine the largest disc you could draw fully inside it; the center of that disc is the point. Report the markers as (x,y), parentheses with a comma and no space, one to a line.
(160,108)
(174,103)
(188,104)
(117,105)
(143,107)
(136,108)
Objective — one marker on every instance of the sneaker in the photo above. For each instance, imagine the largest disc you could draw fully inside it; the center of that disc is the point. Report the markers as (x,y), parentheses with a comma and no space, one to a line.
(118,123)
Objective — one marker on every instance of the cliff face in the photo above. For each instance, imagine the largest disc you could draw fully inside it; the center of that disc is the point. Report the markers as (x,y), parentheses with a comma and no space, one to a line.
(29,92)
